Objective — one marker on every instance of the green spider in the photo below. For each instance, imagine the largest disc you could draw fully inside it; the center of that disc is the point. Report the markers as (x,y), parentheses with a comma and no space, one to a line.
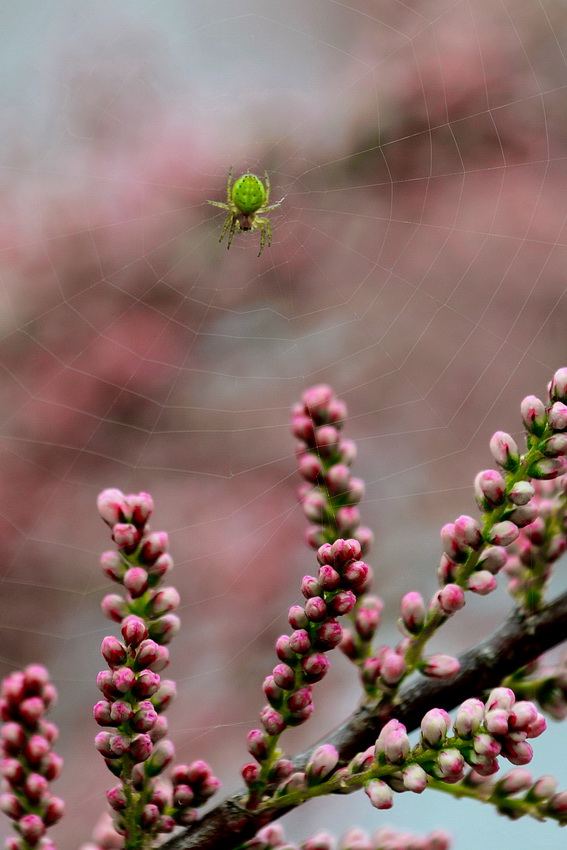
(246,198)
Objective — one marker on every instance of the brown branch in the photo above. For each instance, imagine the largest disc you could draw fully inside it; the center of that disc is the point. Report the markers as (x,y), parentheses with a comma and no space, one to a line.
(519,640)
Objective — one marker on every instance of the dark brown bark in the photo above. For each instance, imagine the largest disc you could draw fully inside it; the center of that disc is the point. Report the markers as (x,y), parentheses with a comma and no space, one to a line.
(518,641)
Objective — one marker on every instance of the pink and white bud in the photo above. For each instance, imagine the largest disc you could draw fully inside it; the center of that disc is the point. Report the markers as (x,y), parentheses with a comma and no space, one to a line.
(315,666)
(337,479)
(125,535)
(114,607)
(557,416)
(322,762)
(342,602)
(141,748)
(284,676)
(440,666)
(141,507)
(503,533)
(486,745)
(300,642)
(35,750)
(328,635)
(123,678)
(272,721)
(257,744)
(414,778)
(489,488)
(113,565)
(451,764)
(368,617)
(161,566)
(113,652)
(558,386)
(316,609)
(310,587)
(434,727)
(396,745)
(134,630)
(545,787)
(558,804)
(145,718)
(154,545)
(505,450)
(310,468)
(147,684)
(162,755)
(357,575)
(250,773)
(482,582)
(521,493)
(11,806)
(493,559)
(302,427)
(496,721)
(297,618)
(547,469)
(525,514)
(31,710)
(314,506)
(451,599)
(393,668)
(31,828)
(500,698)
(112,507)
(165,628)
(533,414)
(121,712)
(347,520)
(522,715)
(516,780)
(468,532)
(413,611)
(328,578)
(283,648)
(326,439)
(556,446)
(518,752)
(380,795)
(164,601)
(469,717)
(136,581)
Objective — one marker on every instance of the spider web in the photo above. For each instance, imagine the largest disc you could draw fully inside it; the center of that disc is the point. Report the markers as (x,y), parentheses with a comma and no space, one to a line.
(417,266)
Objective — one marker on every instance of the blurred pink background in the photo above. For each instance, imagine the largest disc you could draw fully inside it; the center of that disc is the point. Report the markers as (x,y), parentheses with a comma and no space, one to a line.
(418,265)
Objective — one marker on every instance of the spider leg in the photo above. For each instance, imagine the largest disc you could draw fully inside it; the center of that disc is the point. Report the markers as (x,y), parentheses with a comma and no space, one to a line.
(272,207)
(219,204)
(229,186)
(265,228)
(234,226)
(227,223)
(267,182)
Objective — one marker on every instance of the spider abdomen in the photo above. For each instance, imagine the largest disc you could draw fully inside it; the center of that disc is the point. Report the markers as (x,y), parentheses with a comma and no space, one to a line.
(248,195)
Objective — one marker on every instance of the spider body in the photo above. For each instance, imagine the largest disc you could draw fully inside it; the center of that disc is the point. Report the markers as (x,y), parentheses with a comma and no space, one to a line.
(247,199)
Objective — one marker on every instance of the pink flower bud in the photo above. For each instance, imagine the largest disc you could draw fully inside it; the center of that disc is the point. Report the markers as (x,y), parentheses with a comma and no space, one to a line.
(31,710)
(434,727)
(556,446)
(518,752)
(547,468)
(13,738)
(123,679)
(113,565)
(316,609)
(257,744)
(451,764)
(486,745)
(164,629)
(145,718)
(545,787)
(150,816)
(11,806)
(120,712)
(503,533)
(505,451)
(356,575)
(469,717)
(310,587)
(496,721)
(36,749)
(468,532)
(393,668)
(250,773)
(328,578)
(111,505)
(161,756)
(455,550)
(141,507)
(315,667)
(342,602)
(300,642)
(141,748)
(329,634)
(482,582)
(302,427)
(493,559)
(114,607)
(440,666)
(125,535)
(532,410)
(148,653)
(413,611)
(310,467)
(396,745)
(381,795)
(314,506)
(344,551)
(414,778)
(518,779)
(501,698)
(347,520)
(147,684)
(522,715)
(272,721)
(337,479)
(112,651)
(521,493)
(272,692)
(136,581)
(284,676)
(300,699)
(134,630)
(31,828)
(490,489)
(451,598)
(314,536)
(164,601)
(297,618)
(117,799)
(557,416)
(283,648)
(322,762)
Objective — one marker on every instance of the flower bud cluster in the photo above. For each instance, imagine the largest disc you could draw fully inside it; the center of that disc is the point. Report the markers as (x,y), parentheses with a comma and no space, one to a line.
(540,797)
(386,838)
(514,510)
(28,762)
(482,733)
(135,696)
(330,493)
(303,657)
(539,545)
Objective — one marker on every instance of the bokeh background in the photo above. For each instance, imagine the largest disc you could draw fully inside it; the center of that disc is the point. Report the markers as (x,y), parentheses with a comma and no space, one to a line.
(418,265)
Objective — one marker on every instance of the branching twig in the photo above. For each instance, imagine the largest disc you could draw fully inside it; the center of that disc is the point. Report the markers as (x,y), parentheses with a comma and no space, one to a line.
(519,640)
